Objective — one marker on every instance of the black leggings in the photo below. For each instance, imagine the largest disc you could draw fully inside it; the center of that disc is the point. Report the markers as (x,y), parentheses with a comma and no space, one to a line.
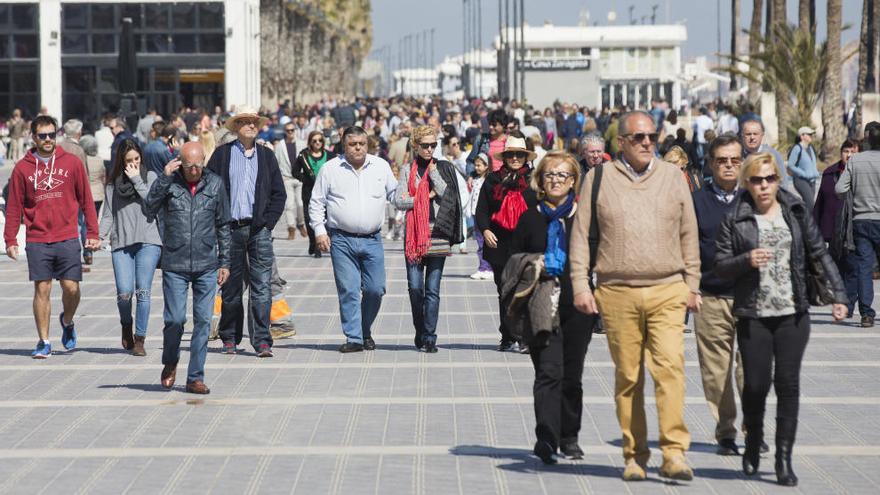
(762,341)
(497,271)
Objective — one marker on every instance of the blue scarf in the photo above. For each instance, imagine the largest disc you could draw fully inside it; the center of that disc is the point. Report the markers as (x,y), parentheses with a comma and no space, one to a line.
(557,247)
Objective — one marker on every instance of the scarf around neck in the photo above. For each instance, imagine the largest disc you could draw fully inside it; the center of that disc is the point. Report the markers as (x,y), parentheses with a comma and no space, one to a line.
(509,191)
(418,226)
(125,187)
(556,253)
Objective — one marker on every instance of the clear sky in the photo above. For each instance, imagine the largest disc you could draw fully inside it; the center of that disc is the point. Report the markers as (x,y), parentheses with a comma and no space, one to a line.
(393,19)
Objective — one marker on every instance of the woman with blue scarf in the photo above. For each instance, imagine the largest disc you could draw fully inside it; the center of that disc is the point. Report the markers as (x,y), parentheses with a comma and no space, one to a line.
(558,356)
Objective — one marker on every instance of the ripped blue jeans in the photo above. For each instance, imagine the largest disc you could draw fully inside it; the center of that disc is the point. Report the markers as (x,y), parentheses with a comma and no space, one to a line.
(133,268)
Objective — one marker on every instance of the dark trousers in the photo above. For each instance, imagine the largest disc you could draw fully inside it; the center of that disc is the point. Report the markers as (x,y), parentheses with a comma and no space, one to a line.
(307,198)
(497,270)
(763,341)
(251,252)
(866,235)
(558,368)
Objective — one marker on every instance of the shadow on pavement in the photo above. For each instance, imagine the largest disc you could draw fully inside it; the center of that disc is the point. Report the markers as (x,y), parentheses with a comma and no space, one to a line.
(528,463)
(143,387)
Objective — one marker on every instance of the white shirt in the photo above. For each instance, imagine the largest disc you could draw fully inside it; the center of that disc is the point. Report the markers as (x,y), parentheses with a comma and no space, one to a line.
(351,200)
(702,124)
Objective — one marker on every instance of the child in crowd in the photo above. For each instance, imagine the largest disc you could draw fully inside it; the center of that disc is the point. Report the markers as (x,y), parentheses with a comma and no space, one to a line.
(481,167)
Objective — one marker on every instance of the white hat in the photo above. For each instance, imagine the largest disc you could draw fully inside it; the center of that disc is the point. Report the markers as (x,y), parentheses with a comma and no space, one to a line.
(245,112)
(806,130)
(515,144)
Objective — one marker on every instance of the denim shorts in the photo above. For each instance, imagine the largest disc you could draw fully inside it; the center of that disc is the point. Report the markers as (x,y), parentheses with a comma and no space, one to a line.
(54,260)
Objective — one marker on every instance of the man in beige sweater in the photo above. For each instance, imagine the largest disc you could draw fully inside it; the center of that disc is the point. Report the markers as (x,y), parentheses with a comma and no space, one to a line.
(648,273)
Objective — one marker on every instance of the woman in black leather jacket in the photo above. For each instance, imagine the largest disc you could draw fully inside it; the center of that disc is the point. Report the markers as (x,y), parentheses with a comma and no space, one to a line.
(766,245)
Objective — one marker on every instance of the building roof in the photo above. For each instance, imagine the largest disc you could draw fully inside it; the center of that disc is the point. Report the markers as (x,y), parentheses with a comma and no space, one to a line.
(549,35)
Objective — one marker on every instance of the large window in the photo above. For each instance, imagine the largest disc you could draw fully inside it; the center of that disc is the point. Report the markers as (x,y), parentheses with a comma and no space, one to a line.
(19,58)
(92,28)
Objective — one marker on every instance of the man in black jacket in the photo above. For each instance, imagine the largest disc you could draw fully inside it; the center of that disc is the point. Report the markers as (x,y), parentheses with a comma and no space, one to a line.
(195,251)
(256,200)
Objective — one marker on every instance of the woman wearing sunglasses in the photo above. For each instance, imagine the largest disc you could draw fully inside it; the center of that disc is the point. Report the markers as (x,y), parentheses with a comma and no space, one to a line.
(305,170)
(505,195)
(767,245)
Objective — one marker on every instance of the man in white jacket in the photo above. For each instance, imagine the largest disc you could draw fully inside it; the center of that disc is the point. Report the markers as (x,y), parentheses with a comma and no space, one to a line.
(285,153)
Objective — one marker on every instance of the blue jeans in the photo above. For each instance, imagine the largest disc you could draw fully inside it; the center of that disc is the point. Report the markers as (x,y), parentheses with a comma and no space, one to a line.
(252,253)
(866,235)
(848,269)
(423,280)
(133,268)
(175,286)
(359,271)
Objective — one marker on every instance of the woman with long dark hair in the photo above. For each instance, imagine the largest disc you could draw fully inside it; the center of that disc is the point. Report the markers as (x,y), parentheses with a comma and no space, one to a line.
(773,250)
(505,195)
(134,240)
(305,169)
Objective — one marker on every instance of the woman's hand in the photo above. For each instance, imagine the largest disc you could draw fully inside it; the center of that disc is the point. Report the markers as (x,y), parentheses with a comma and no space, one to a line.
(490,239)
(759,257)
(839,311)
(132,169)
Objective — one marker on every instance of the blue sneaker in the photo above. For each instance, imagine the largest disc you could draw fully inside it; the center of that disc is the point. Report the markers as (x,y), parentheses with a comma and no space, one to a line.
(68,334)
(43,350)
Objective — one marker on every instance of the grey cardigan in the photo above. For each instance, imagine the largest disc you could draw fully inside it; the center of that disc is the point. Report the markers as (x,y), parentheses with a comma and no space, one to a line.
(124,220)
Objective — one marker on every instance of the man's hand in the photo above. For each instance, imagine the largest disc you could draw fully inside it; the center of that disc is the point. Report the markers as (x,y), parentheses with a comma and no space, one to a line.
(222,276)
(839,311)
(93,244)
(12,252)
(322,242)
(586,303)
(694,302)
(172,167)
(490,239)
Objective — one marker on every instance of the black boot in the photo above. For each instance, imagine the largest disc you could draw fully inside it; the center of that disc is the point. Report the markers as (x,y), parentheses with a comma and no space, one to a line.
(754,438)
(785,431)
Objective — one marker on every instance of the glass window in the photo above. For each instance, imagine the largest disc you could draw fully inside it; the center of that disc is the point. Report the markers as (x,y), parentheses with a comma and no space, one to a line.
(4,78)
(4,16)
(183,15)
(108,76)
(212,43)
(102,16)
(29,103)
(4,46)
(103,43)
(184,43)
(79,79)
(585,51)
(75,16)
(24,16)
(110,102)
(24,79)
(156,16)
(157,43)
(74,43)
(25,46)
(211,15)
(143,80)
(165,80)
(132,11)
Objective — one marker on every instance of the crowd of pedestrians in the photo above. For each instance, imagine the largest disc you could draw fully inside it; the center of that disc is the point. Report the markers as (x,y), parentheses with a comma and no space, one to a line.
(626,214)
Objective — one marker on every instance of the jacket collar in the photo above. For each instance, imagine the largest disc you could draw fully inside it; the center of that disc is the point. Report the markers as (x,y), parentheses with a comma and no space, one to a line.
(745,208)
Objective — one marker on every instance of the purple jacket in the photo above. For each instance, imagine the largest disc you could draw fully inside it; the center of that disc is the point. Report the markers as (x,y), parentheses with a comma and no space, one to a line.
(827,203)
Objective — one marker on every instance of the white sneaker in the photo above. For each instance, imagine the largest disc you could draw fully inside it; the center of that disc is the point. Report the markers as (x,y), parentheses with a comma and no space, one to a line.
(476,276)
(487,275)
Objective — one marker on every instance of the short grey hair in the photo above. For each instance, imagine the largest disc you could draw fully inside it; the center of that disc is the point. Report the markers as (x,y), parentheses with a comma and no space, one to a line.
(623,127)
(73,127)
(89,144)
(592,138)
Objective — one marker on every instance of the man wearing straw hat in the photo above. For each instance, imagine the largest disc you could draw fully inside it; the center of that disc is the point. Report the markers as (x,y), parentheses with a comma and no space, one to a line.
(256,199)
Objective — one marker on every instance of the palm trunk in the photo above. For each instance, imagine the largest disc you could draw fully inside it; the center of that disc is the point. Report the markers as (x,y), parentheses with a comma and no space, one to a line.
(832,104)
(734,34)
(807,16)
(755,47)
(864,48)
(784,107)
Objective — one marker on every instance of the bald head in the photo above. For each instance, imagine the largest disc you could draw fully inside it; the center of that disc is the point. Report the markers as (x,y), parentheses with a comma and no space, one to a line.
(192,153)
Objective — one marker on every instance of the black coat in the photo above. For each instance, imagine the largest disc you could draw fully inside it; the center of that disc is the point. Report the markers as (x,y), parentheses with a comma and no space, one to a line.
(196,233)
(302,172)
(487,206)
(530,236)
(269,195)
(738,235)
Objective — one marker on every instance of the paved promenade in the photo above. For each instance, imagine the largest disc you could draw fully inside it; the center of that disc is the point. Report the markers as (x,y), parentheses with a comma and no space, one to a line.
(392,421)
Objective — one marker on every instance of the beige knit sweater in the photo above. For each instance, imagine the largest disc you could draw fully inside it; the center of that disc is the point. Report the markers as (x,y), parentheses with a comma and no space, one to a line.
(647,229)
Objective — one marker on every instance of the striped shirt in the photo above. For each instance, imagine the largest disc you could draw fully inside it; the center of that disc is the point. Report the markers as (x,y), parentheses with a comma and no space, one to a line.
(242,182)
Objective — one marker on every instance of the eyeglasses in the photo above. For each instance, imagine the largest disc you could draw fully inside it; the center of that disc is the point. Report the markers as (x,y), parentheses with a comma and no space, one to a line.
(191,165)
(639,137)
(757,180)
(731,161)
(46,136)
(428,146)
(557,176)
(290,131)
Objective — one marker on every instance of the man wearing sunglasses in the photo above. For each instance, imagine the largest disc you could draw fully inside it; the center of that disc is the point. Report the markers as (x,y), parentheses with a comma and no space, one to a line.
(49,187)
(648,271)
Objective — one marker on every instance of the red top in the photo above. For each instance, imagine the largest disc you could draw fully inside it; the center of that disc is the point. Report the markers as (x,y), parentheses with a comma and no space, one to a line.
(192,187)
(49,197)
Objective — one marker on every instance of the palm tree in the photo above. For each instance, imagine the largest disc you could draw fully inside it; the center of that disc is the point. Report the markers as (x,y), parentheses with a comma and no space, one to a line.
(755,45)
(734,33)
(784,110)
(832,104)
(864,57)
(807,15)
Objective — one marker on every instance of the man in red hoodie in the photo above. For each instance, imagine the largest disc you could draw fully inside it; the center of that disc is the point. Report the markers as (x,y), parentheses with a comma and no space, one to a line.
(48,188)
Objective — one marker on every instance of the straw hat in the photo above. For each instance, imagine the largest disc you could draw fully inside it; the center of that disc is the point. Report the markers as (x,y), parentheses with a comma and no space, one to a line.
(515,144)
(245,112)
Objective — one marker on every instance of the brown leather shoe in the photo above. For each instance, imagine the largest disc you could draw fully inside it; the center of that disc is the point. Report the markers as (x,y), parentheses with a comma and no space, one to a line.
(127,337)
(302,231)
(291,233)
(169,373)
(197,387)
(138,349)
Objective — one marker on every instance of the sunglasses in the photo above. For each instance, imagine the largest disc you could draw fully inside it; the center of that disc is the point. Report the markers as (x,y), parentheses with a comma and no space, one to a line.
(519,155)
(639,137)
(191,165)
(46,136)
(247,122)
(726,160)
(757,180)
(321,141)
(290,131)
(428,146)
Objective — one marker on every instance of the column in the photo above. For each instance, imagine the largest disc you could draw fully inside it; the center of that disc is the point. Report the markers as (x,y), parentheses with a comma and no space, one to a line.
(50,56)
(242,71)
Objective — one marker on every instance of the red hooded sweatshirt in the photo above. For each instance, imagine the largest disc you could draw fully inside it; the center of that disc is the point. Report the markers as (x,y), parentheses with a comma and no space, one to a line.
(49,196)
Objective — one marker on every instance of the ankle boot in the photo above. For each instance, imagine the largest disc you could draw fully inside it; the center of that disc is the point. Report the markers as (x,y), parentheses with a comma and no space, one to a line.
(785,432)
(752,453)
(291,233)
(127,337)
(138,349)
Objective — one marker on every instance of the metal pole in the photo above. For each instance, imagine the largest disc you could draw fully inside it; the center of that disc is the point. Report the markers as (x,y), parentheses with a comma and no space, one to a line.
(506,93)
(522,50)
(480,48)
(498,77)
(464,43)
(718,50)
(515,52)
(475,32)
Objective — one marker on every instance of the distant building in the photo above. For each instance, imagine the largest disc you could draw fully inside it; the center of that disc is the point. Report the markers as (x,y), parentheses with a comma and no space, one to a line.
(598,65)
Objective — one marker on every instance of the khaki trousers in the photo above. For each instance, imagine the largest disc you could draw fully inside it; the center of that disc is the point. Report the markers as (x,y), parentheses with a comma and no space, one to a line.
(715,329)
(293,207)
(643,327)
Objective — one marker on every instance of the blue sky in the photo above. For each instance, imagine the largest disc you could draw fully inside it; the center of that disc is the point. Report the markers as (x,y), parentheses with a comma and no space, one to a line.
(392,19)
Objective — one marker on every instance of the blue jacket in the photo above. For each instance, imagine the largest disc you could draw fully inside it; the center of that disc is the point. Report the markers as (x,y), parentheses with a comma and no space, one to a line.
(156,156)
(802,162)
(269,194)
